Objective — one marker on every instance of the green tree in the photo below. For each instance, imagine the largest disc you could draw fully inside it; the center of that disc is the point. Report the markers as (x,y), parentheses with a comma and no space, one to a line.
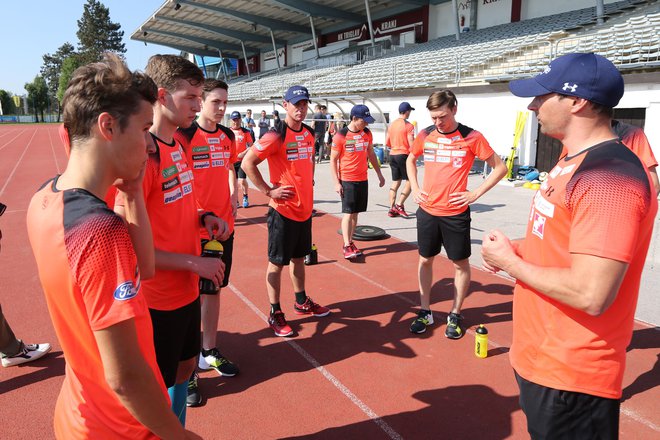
(37,96)
(50,70)
(97,34)
(68,67)
(7,103)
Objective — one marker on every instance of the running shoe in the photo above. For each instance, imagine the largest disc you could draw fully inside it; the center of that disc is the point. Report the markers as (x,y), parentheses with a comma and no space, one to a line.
(194,398)
(392,212)
(246,202)
(349,252)
(277,322)
(423,320)
(357,251)
(454,329)
(213,360)
(400,210)
(27,353)
(311,308)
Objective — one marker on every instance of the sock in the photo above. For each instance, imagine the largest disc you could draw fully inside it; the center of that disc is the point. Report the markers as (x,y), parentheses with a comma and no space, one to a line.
(206,352)
(275,308)
(426,311)
(301,297)
(178,394)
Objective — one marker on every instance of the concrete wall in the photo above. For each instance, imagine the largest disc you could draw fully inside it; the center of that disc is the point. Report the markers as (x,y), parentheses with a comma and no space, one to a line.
(541,8)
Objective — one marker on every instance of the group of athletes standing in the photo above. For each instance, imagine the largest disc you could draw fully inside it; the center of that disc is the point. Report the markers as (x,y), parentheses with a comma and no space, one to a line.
(117,237)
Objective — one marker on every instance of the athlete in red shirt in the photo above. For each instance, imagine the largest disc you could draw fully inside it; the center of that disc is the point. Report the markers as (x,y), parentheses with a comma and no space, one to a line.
(577,288)
(352,147)
(243,142)
(172,295)
(443,217)
(400,137)
(211,150)
(290,155)
(88,268)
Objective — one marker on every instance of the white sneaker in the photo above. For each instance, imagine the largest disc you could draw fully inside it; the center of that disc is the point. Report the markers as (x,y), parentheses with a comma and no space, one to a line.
(216,361)
(29,352)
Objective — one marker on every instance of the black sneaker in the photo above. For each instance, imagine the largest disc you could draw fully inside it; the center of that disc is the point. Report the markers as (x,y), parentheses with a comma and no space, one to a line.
(194,396)
(423,320)
(454,330)
(214,360)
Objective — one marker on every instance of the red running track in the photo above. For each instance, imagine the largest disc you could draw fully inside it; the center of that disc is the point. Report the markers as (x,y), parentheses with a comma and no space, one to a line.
(358,373)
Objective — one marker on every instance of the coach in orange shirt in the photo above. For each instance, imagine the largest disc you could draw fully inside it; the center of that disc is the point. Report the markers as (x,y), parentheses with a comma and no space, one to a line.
(577,287)
(290,155)
(400,137)
(352,147)
(88,267)
(443,217)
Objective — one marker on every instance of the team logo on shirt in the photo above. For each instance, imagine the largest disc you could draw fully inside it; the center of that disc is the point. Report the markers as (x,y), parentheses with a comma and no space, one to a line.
(200,149)
(125,291)
(217,163)
(301,138)
(538,228)
(458,162)
(172,196)
(176,156)
(201,165)
(169,171)
(217,155)
(200,156)
(214,140)
(258,146)
(170,184)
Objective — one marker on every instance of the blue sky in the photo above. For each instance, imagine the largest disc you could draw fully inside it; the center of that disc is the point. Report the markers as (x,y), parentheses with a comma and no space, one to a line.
(31,29)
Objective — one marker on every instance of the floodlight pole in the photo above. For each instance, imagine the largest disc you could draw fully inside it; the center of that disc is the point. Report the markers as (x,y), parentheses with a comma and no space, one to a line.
(600,11)
(371,25)
(247,68)
(277,58)
(316,46)
(458,31)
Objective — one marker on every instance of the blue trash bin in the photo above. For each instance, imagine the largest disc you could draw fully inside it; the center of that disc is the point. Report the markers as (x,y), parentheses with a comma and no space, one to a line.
(380,154)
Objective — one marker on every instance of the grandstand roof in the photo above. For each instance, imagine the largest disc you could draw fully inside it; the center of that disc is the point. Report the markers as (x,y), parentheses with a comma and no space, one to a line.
(203,27)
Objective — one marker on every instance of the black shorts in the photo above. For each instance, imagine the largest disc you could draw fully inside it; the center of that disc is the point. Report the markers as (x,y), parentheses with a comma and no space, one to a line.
(227,252)
(355,198)
(287,238)
(176,337)
(452,232)
(561,414)
(398,166)
(240,174)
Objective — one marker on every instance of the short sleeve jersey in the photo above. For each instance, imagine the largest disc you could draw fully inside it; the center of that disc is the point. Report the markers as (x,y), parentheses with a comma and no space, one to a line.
(397,136)
(600,193)
(172,209)
(242,137)
(290,156)
(448,158)
(90,278)
(353,148)
(211,155)
(634,138)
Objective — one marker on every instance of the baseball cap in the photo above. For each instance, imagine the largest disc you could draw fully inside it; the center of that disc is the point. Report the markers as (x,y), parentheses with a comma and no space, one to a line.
(276,113)
(296,94)
(235,115)
(362,112)
(404,107)
(585,75)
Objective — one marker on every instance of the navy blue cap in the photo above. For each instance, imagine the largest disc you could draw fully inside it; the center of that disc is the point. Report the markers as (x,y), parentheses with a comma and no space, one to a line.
(235,115)
(296,94)
(362,112)
(585,75)
(404,107)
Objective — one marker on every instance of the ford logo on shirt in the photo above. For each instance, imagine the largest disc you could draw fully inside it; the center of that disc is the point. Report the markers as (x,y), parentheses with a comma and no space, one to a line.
(125,291)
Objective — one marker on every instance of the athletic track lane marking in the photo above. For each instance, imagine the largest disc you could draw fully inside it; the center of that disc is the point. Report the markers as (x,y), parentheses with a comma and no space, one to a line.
(52,148)
(2,190)
(9,141)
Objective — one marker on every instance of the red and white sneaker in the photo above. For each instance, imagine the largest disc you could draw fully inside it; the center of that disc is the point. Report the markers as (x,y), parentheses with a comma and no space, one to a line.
(392,212)
(357,251)
(310,308)
(277,322)
(349,252)
(400,211)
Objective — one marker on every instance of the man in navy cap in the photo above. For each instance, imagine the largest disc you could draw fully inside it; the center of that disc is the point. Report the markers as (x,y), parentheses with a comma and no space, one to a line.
(400,137)
(578,268)
(290,155)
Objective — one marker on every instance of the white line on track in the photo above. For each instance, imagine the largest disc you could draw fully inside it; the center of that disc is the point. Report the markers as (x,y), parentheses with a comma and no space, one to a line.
(382,424)
(18,162)
(9,141)
(52,148)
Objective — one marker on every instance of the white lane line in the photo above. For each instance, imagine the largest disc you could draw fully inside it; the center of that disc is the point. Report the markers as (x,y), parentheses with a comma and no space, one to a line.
(9,141)
(640,419)
(18,162)
(382,424)
(52,148)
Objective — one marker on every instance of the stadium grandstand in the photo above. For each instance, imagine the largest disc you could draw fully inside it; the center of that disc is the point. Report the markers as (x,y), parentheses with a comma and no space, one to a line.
(382,52)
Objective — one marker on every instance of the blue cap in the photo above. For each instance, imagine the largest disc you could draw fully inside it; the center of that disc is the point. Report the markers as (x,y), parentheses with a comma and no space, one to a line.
(235,115)
(585,75)
(296,94)
(404,107)
(362,112)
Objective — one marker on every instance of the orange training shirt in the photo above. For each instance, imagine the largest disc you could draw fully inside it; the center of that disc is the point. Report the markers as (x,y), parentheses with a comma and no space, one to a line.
(353,148)
(290,157)
(243,137)
(211,154)
(448,158)
(397,136)
(172,209)
(90,278)
(599,202)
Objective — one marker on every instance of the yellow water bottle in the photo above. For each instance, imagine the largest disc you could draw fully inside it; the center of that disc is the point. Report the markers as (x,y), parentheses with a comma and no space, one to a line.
(212,249)
(481,342)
